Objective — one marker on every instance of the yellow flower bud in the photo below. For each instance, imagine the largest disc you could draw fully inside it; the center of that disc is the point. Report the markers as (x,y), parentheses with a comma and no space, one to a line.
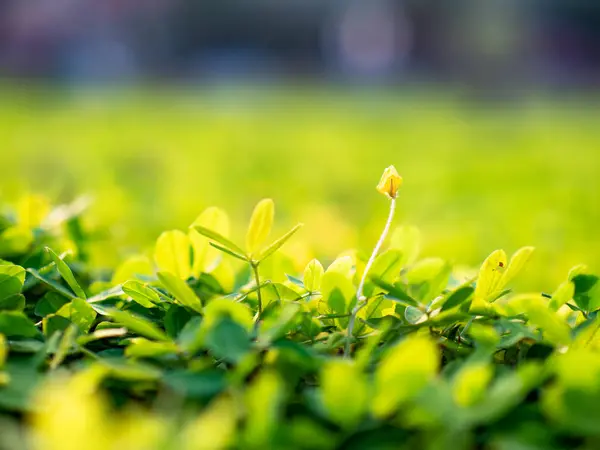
(390,182)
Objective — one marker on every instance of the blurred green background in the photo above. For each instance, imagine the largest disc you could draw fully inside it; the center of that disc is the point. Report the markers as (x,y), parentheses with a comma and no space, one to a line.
(477,175)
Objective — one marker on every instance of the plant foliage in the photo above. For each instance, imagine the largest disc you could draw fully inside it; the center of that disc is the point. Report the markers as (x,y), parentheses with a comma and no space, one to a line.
(206,344)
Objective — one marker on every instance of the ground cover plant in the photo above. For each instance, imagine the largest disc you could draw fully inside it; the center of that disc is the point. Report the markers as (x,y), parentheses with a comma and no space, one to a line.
(212,343)
(482,175)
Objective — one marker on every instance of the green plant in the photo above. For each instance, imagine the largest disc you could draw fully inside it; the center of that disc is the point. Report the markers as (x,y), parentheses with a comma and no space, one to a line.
(195,349)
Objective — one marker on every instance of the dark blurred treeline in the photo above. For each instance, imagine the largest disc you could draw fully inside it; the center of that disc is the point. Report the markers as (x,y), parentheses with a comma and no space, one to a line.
(476,42)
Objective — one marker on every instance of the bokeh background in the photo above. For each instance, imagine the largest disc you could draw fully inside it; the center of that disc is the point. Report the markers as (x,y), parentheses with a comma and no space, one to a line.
(156,109)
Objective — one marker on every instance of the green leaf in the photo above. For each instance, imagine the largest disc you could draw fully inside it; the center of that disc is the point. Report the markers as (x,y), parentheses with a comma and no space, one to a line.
(516,265)
(396,291)
(313,274)
(65,344)
(562,295)
(221,308)
(175,320)
(587,291)
(342,265)
(470,383)
(204,256)
(172,253)
(263,400)
(49,304)
(403,373)
(196,385)
(130,370)
(554,329)
(260,225)
(222,240)
(428,278)
(132,268)
(12,278)
(180,290)
(66,273)
(141,293)
(229,252)
(228,340)
(338,292)
(344,392)
(277,327)
(52,284)
(143,348)
(387,266)
(414,315)
(15,302)
(490,274)
(16,324)
(278,243)
(80,313)
(53,323)
(137,324)
(457,297)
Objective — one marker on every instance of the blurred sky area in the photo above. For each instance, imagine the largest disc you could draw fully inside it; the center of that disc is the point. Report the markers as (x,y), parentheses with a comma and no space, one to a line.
(483,43)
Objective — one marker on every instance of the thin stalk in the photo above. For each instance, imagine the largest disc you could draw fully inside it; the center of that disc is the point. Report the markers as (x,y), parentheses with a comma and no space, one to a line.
(361,300)
(258,293)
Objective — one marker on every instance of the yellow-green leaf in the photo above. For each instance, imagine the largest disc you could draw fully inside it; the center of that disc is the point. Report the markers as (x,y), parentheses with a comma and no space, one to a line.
(79,312)
(344,392)
(403,372)
(141,293)
(562,295)
(516,264)
(313,274)
(180,290)
(342,265)
(66,273)
(64,346)
(143,348)
(260,225)
(279,243)
(172,253)
(205,255)
(263,400)
(490,274)
(471,382)
(132,268)
(137,324)
(387,266)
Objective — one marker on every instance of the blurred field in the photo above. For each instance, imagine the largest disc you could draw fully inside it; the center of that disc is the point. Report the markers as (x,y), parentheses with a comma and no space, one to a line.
(476,177)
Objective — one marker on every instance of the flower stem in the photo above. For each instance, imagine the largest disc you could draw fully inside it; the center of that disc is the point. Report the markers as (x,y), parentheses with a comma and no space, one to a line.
(258,293)
(361,300)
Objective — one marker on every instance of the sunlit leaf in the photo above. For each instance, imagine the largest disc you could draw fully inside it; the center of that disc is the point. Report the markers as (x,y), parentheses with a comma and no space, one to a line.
(204,256)
(66,273)
(180,290)
(313,274)
(141,293)
(260,225)
(344,392)
(490,274)
(79,312)
(172,253)
(403,372)
(278,243)
(137,324)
